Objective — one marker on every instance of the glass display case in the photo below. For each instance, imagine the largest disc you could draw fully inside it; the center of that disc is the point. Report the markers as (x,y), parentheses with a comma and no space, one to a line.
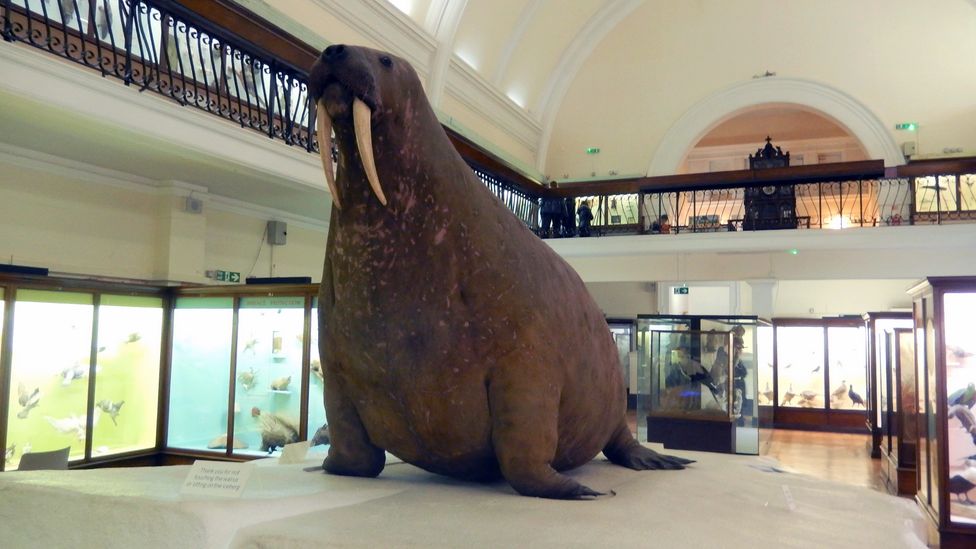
(698,382)
(944,311)
(622,331)
(877,330)
(899,409)
(270,352)
(819,374)
(245,378)
(81,369)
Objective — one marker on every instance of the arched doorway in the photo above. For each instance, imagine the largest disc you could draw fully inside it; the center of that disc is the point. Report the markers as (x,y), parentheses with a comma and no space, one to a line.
(831,103)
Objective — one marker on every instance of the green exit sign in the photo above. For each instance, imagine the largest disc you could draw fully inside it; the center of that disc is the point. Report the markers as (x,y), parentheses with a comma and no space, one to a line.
(227,276)
(681,291)
(910,126)
(593,150)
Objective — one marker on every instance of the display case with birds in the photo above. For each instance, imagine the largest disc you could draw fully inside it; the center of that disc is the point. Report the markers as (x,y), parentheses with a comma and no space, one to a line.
(839,393)
(808,398)
(767,394)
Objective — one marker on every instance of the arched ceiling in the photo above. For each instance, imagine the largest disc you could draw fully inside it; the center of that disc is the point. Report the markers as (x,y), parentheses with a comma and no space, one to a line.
(539,81)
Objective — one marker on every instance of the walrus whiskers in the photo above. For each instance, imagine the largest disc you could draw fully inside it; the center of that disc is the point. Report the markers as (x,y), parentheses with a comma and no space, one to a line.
(323,126)
(364,140)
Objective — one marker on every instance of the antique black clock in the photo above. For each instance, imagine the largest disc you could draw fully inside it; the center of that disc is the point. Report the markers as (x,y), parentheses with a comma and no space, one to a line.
(773,205)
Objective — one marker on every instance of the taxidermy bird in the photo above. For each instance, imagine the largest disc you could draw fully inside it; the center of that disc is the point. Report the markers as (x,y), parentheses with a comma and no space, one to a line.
(72,373)
(815,370)
(277,431)
(965,397)
(855,398)
(9,454)
(958,352)
(768,393)
(808,397)
(281,383)
(840,391)
(220,443)
(966,419)
(960,486)
(316,368)
(111,408)
(67,8)
(73,424)
(27,401)
(321,436)
(248,379)
(788,396)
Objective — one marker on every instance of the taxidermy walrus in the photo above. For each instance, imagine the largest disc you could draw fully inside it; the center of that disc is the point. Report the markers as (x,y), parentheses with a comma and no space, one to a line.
(452,336)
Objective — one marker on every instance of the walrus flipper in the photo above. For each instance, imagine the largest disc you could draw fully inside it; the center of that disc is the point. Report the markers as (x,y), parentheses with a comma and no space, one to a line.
(627,452)
(350,453)
(525,449)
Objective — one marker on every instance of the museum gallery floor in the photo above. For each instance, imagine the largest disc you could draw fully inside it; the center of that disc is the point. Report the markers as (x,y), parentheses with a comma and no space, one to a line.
(721,501)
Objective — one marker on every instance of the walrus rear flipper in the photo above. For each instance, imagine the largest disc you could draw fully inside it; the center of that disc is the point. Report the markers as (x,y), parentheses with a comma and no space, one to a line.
(627,452)
(525,449)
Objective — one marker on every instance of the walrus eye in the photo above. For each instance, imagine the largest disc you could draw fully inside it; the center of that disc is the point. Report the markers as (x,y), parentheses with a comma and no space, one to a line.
(386,61)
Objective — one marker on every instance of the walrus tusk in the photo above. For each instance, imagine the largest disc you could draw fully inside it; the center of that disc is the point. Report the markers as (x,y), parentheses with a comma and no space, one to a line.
(364,140)
(324,128)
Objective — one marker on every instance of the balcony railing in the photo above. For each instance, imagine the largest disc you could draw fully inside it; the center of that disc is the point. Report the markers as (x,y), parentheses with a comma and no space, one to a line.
(160,46)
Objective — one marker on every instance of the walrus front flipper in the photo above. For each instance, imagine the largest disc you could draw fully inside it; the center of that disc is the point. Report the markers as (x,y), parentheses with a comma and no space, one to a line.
(627,452)
(350,452)
(525,449)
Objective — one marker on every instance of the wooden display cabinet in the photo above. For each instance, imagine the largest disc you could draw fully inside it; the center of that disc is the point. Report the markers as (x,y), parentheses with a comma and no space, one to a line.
(879,362)
(898,448)
(819,375)
(944,311)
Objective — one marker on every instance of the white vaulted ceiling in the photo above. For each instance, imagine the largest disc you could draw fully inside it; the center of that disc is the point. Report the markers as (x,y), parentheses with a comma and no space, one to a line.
(539,81)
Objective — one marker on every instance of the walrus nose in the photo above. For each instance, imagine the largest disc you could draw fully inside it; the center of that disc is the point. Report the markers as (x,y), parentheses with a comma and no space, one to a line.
(334,52)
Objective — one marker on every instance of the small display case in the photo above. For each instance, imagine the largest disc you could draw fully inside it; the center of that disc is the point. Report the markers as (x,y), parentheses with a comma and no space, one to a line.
(880,363)
(820,374)
(944,311)
(900,411)
(698,382)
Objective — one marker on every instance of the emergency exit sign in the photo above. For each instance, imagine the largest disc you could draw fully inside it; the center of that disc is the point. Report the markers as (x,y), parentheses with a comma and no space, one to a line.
(681,291)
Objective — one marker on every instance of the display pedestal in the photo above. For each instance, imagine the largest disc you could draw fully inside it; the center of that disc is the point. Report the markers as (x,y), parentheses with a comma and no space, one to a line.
(692,434)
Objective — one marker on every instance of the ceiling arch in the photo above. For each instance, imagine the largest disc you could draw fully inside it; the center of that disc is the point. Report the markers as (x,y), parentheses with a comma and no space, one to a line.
(847,111)
(575,54)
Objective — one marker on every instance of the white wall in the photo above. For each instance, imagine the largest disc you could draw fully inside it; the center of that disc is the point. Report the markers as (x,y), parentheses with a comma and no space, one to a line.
(624,299)
(81,223)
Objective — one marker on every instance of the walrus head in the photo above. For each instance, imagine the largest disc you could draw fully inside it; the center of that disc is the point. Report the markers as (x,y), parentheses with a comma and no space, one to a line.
(345,84)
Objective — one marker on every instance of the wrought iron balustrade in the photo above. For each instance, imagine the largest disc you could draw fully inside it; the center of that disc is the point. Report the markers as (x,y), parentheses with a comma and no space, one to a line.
(161,47)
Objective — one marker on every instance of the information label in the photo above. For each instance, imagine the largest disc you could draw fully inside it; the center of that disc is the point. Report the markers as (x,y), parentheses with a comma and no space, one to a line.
(217,478)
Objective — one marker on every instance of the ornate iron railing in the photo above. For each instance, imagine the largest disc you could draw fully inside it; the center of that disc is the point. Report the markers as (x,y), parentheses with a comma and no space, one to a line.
(161,47)
(924,200)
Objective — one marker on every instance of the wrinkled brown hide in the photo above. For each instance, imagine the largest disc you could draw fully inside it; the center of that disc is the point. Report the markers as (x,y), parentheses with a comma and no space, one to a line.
(451,336)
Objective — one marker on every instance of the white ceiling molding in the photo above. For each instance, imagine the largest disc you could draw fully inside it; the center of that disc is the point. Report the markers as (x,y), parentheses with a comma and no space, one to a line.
(89,173)
(474,92)
(447,25)
(573,57)
(706,114)
(515,38)
(388,27)
(435,16)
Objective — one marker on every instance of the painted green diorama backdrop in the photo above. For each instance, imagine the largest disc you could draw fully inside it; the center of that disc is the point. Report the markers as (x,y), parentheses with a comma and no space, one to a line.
(51,353)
